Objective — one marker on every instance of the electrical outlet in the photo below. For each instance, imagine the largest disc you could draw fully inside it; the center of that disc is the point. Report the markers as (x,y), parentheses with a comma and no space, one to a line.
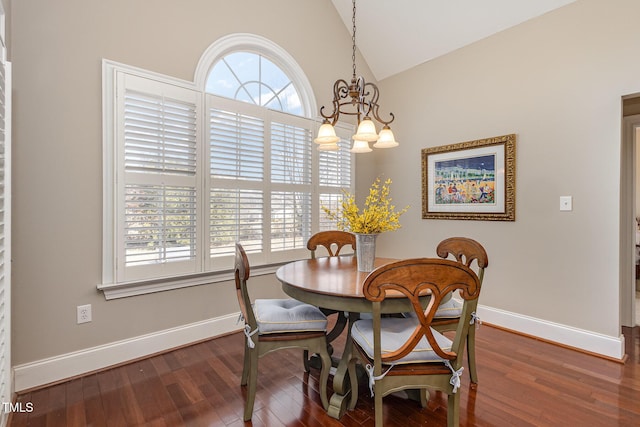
(84,313)
(566,203)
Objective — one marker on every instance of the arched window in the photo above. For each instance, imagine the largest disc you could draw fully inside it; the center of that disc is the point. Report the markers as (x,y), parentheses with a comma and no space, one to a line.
(268,182)
(253,78)
(257,62)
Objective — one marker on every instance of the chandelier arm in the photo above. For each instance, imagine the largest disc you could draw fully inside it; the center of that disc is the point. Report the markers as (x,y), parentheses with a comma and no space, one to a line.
(340,91)
(384,122)
(374,94)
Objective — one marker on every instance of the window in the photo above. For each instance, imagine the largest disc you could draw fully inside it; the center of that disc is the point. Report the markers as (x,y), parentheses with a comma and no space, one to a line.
(250,77)
(192,168)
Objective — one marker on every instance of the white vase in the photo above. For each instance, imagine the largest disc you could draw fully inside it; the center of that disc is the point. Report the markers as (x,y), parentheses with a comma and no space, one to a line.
(365,250)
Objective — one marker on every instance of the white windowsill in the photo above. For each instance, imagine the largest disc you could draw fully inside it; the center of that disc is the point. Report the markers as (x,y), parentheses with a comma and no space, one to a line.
(142,287)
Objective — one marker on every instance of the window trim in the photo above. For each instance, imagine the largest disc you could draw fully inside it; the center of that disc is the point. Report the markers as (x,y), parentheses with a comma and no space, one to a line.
(149,286)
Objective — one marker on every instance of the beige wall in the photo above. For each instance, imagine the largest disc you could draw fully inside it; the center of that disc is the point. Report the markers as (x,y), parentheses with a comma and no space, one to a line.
(555,81)
(57,49)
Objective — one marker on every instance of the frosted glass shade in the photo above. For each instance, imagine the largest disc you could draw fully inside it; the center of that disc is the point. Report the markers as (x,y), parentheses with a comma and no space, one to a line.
(326,134)
(360,146)
(328,147)
(366,131)
(386,139)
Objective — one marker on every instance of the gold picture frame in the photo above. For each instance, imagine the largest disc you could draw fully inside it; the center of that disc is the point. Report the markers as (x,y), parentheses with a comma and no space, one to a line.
(473,180)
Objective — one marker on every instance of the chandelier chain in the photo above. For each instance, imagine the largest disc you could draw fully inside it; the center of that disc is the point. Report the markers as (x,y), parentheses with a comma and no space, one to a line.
(353,39)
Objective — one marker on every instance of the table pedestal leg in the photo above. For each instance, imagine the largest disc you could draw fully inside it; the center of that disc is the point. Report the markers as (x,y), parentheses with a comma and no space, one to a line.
(341,323)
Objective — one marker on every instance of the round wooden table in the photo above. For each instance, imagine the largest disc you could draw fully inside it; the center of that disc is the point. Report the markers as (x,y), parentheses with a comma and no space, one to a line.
(335,283)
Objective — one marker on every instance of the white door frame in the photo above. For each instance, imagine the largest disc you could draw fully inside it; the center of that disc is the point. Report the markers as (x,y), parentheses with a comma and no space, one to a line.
(628,171)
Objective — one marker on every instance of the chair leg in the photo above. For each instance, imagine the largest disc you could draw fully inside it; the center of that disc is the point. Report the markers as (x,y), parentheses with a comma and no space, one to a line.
(424,397)
(378,409)
(471,354)
(253,381)
(245,366)
(305,360)
(453,410)
(339,326)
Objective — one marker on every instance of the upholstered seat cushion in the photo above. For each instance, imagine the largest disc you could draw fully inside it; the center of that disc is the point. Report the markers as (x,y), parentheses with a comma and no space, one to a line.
(287,315)
(449,310)
(394,333)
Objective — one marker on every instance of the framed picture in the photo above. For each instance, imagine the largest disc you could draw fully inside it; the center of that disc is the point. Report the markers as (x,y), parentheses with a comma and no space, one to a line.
(473,180)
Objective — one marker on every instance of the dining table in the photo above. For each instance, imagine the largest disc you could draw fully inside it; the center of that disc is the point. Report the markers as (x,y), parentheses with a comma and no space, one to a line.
(335,283)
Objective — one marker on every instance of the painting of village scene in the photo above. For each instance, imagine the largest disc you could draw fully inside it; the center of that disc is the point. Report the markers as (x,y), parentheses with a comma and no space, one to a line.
(465,180)
(470,180)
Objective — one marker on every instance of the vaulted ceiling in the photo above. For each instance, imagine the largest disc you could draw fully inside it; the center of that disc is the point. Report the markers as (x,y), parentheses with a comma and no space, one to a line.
(394,36)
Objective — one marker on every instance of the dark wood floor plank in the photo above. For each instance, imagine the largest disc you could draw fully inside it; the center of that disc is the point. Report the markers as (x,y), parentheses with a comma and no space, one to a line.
(57,415)
(228,400)
(128,405)
(40,402)
(523,382)
(111,386)
(149,391)
(75,403)
(94,411)
(21,420)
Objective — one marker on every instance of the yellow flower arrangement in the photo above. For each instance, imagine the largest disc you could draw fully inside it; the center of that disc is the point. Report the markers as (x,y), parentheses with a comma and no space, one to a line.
(378,215)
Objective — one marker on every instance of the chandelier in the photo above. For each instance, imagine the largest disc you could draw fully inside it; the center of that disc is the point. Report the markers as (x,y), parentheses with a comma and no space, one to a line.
(358,99)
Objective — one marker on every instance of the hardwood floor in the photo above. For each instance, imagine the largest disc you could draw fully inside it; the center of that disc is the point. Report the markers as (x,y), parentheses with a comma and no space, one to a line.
(523,382)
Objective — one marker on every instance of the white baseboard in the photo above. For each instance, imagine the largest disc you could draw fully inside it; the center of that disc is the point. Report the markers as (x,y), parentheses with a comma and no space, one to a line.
(605,345)
(69,365)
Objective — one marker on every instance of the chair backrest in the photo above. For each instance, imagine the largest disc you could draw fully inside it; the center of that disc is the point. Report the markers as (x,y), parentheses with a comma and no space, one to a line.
(465,251)
(415,278)
(242,272)
(333,241)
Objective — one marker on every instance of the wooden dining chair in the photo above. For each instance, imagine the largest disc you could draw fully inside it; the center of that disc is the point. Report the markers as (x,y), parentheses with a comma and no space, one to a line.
(406,352)
(333,241)
(274,324)
(447,317)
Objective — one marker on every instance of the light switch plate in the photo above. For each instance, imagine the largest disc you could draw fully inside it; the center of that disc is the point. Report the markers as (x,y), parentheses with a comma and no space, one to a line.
(566,203)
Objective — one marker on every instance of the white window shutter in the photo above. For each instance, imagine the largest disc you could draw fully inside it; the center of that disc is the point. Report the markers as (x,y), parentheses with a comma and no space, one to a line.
(290,220)
(158,179)
(236,142)
(290,154)
(236,215)
(236,134)
(335,170)
(291,172)
(6,386)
